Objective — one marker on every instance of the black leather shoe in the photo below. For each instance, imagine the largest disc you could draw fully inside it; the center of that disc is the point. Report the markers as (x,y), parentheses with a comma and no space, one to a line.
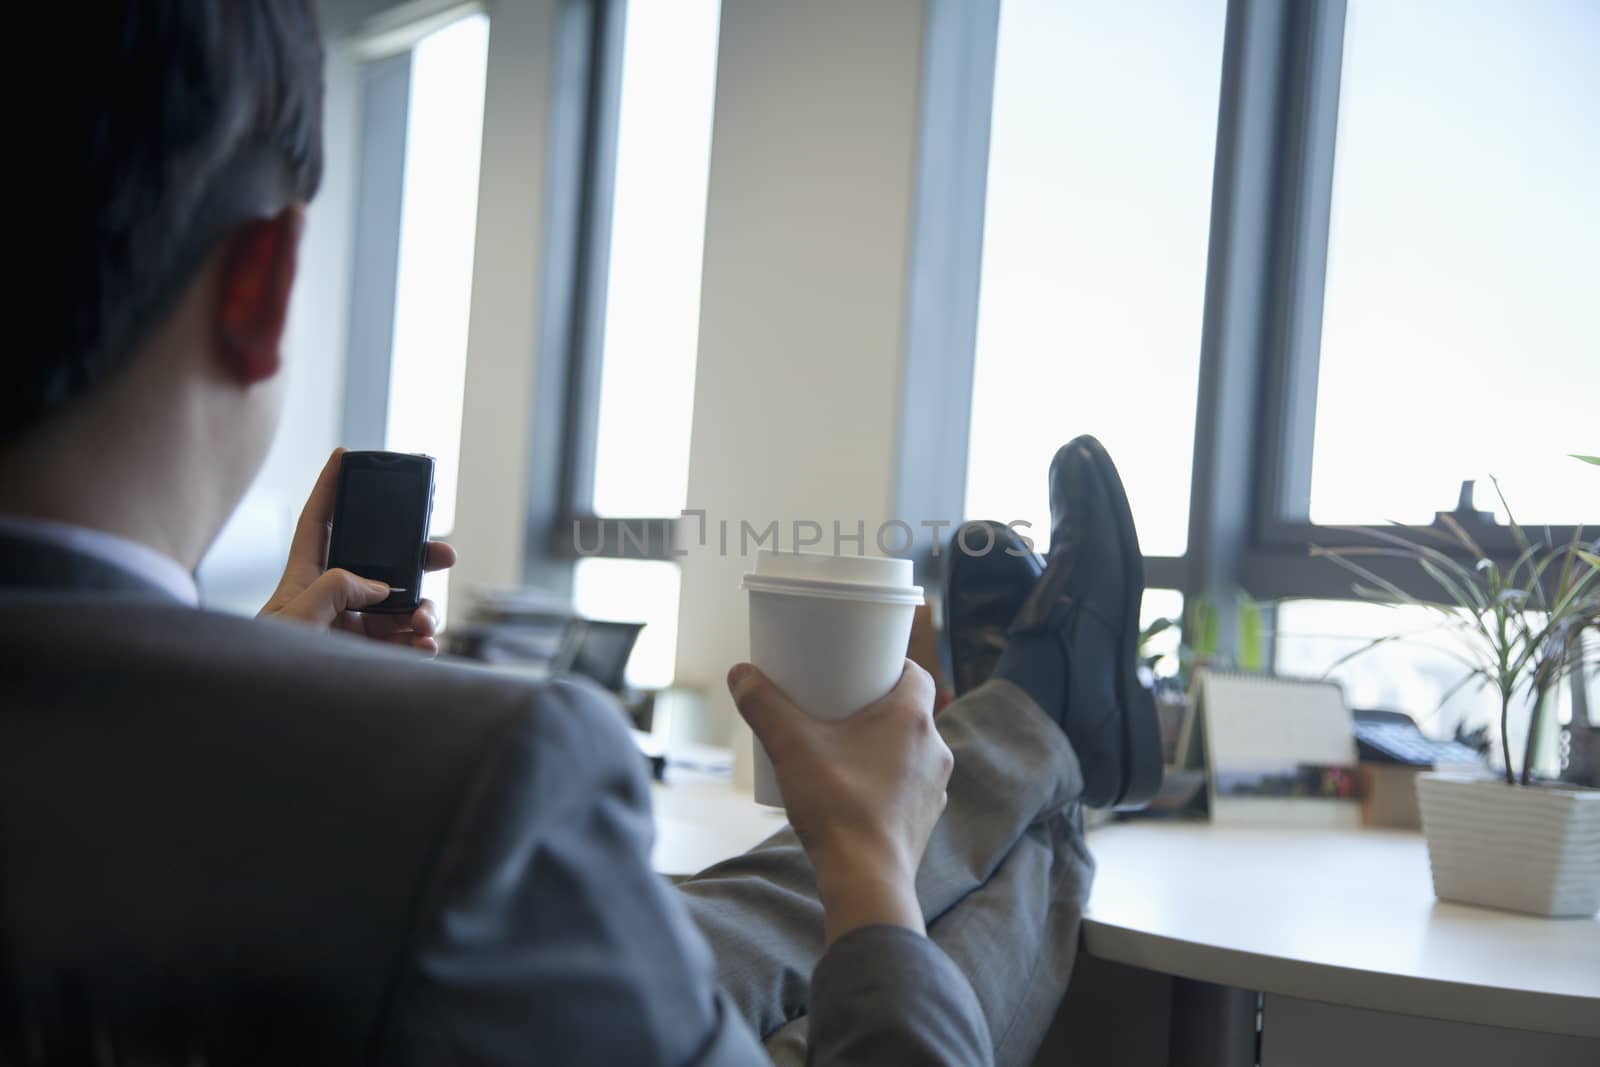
(988,575)
(1089,599)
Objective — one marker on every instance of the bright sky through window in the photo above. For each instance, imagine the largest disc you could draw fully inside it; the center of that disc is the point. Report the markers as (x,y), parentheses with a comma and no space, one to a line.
(438,225)
(652,326)
(1094,252)
(1460,335)
(669,69)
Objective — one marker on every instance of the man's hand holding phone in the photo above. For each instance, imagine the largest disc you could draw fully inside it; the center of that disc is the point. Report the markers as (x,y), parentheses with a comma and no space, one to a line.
(311,593)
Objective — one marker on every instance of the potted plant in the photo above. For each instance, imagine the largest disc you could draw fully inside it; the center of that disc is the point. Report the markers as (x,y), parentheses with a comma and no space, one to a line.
(1510,842)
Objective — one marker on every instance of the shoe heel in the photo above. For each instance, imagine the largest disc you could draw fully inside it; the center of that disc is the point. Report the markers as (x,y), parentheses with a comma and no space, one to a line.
(1141,730)
(1143,754)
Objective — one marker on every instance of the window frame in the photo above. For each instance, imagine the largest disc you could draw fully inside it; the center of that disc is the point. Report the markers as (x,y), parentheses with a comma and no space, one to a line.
(1258,535)
(1260,340)
(1261,333)
(384,53)
(952,171)
(375,260)
(562,526)
(563,418)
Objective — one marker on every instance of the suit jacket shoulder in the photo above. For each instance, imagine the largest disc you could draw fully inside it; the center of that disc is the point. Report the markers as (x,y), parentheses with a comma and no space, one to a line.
(275,846)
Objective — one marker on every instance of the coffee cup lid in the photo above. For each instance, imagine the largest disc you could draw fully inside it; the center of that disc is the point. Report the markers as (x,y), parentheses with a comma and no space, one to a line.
(876,578)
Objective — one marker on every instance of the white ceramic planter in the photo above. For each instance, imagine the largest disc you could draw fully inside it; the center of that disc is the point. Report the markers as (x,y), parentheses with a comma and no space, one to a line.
(1534,849)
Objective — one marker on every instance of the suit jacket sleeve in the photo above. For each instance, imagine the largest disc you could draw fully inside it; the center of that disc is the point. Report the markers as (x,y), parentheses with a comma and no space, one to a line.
(883,994)
(544,934)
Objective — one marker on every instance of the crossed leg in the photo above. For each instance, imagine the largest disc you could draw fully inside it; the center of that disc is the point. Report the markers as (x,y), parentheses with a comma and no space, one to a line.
(1003,885)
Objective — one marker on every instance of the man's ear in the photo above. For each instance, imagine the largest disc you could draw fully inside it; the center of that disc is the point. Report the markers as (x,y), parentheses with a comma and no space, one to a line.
(258,269)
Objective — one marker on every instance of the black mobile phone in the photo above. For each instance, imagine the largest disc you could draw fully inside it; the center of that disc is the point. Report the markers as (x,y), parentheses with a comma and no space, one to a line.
(380,523)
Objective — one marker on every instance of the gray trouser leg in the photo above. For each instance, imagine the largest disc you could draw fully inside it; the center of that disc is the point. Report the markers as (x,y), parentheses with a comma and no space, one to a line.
(1002,886)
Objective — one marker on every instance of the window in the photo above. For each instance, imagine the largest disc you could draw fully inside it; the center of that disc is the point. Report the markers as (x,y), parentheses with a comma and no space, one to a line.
(1455,339)
(658,215)
(652,313)
(1292,267)
(1395,285)
(1094,253)
(1420,675)
(635,590)
(1162,604)
(1414,676)
(1459,338)
(438,225)
(416,226)
(1293,262)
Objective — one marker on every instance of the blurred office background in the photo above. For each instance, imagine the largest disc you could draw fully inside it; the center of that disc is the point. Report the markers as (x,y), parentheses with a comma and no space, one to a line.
(853,261)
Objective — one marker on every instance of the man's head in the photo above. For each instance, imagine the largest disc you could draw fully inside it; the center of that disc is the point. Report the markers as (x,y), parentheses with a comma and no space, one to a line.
(177,143)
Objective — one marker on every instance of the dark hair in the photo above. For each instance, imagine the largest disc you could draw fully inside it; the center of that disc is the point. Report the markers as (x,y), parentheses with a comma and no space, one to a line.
(162,124)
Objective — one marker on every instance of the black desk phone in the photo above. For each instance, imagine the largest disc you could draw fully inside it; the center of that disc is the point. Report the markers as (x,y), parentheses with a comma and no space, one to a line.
(1392,737)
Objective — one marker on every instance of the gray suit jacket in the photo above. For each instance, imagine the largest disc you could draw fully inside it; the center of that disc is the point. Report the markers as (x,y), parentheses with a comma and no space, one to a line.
(234,841)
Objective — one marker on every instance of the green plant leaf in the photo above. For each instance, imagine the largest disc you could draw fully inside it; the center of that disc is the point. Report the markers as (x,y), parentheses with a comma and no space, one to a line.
(1341,558)
(1206,627)
(1362,650)
(1572,589)
(1461,534)
(1408,548)
(1529,557)
(1511,519)
(1587,459)
(1410,534)
(1465,593)
(1251,657)
(1392,593)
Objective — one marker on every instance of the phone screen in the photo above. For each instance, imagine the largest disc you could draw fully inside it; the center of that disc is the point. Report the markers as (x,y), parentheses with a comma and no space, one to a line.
(383,516)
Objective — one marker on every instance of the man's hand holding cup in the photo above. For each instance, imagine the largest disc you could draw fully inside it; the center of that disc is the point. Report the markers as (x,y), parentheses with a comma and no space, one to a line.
(863,792)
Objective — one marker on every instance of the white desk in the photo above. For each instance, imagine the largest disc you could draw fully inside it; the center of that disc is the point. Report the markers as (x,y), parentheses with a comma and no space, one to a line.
(1338,929)
(1340,917)
(1341,932)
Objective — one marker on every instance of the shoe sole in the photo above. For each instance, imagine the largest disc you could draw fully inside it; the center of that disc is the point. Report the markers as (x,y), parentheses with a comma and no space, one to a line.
(1141,734)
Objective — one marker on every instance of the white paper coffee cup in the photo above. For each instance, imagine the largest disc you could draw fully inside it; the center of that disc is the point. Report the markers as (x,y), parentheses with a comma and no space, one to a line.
(830,631)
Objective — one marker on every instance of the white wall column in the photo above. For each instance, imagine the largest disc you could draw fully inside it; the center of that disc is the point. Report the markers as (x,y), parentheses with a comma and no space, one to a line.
(803,305)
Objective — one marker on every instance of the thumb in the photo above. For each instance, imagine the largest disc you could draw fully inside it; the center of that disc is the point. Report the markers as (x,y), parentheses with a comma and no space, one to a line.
(333,593)
(772,716)
(308,551)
